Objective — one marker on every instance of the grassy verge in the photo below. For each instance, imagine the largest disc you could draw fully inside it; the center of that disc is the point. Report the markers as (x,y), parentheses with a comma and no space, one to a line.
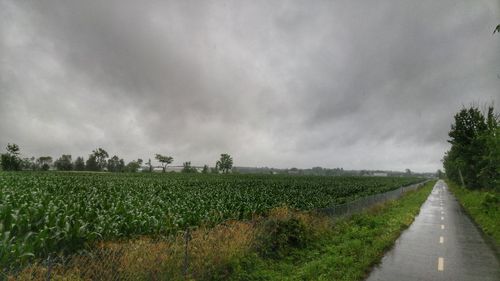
(483,206)
(348,250)
(284,245)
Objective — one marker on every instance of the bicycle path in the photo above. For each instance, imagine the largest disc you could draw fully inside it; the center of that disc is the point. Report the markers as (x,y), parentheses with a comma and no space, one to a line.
(441,244)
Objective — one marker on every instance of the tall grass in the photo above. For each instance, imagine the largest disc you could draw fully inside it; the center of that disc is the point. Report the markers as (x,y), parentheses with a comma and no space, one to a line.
(483,206)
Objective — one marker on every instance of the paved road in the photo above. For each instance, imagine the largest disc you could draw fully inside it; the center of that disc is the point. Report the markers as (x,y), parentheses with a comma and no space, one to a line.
(441,244)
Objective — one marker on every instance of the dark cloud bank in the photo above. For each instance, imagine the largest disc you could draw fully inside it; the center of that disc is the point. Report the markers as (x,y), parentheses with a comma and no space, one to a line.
(353,84)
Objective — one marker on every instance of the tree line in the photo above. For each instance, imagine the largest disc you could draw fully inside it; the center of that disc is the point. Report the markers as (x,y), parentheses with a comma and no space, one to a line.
(474,157)
(99,160)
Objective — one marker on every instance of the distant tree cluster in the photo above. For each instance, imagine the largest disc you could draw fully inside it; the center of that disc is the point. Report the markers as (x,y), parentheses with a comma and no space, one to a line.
(99,161)
(11,160)
(474,157)
(64,163)
(187,168)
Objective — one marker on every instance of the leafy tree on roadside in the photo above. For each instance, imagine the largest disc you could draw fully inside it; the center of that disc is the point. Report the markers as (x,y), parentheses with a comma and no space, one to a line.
(489,175)
(44,162)
(473,157)
(225,163)
(79,164)
(64,163)
(11,161)
(164,160)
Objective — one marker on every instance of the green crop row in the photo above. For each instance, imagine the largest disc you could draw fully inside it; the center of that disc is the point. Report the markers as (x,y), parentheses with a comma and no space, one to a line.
(43,213)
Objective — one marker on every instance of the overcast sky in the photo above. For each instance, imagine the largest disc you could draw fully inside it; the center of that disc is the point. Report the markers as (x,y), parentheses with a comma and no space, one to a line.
(353,84)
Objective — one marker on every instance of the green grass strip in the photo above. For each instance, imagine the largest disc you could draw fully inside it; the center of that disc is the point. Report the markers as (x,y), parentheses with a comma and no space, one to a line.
(483,206)
(347,252)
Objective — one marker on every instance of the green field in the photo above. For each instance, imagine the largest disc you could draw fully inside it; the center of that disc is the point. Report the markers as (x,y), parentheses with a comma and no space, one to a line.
(41,213)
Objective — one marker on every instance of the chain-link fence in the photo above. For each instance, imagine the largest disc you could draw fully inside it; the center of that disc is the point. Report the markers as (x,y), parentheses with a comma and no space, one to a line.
(363,203)
(194,254)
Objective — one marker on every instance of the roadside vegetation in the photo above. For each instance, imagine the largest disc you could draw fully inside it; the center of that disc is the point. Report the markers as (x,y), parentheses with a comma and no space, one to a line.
(345,251)
(472,166)
(473,160)
(483,206)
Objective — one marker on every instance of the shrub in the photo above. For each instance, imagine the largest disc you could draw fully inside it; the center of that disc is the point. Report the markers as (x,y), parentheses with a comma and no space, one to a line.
(281,232)
(490,201)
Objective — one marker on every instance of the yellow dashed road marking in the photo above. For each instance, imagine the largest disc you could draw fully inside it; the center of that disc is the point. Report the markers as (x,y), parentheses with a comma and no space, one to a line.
(441,239)
(440,264)
(442,218)
(442,226)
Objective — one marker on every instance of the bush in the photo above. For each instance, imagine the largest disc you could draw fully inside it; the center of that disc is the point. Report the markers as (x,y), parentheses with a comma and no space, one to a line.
(279,234)
(483,206)
(490,201)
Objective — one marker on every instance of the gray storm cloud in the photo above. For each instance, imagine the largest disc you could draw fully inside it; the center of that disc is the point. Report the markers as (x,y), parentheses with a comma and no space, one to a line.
(353,84)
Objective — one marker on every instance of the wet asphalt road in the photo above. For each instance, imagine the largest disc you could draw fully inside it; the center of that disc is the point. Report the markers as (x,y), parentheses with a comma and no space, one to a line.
(441,244)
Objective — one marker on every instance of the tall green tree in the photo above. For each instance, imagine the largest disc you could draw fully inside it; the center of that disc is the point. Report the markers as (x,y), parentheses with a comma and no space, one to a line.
(489,175)
(64,163)
(44,162)
(472,159)
(11,161)
(28,164)
(205,169)
(91,164)
(100,157)
(133,166)
(79,164)
(164,160)
(225,163)
(115,164)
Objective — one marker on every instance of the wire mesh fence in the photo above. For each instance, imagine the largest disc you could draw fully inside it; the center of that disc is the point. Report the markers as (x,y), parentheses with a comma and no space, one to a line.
(366,202)
(194,254)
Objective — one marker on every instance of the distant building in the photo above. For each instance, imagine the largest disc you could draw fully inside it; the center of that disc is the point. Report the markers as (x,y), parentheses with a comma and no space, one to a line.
(174,169)
(379,174)
(168,169)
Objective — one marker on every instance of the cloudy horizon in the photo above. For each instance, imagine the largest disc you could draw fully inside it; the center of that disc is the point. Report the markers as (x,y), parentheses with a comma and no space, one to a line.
(352,84)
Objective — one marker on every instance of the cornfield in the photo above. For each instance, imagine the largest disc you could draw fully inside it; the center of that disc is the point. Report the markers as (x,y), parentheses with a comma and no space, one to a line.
(45,213)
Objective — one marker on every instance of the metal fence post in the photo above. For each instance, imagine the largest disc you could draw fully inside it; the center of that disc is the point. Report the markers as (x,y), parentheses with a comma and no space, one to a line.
(186,253)
(3,274)
(49,268)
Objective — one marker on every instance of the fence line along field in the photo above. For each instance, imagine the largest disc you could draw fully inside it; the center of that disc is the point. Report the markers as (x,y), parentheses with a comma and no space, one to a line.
(42,213)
